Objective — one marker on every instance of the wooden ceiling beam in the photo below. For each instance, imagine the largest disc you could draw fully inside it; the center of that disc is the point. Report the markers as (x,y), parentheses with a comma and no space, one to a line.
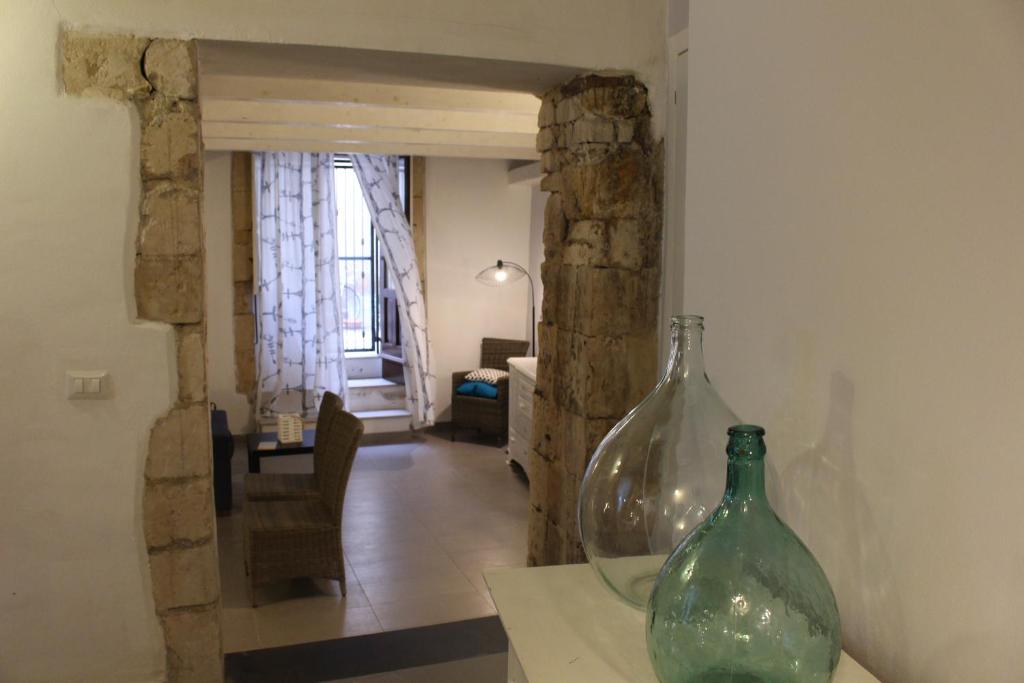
(262,88)
(411,149)
(331,114)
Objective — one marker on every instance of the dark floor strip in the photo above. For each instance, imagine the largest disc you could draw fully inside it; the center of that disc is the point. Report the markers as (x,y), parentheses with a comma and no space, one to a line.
(362,655)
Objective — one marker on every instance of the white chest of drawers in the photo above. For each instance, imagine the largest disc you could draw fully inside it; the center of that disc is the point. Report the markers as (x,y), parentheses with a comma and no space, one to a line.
(522,377)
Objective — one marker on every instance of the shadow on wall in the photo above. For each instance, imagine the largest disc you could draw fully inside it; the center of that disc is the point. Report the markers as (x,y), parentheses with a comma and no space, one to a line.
(823,492)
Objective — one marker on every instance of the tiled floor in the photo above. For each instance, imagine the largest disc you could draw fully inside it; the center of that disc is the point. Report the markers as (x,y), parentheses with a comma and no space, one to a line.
(422,521)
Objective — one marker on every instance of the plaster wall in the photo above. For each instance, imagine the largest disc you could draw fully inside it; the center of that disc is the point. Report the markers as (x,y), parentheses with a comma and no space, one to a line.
(74,562)
(853,235)
(474,217)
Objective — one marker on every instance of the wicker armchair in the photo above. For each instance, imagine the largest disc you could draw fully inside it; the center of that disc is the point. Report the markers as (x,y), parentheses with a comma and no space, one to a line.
(487,415)
(297,486)
(286,539)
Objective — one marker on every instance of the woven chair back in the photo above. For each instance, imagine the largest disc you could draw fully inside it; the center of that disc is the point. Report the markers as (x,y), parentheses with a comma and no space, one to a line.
(339,453)
(329,407)
(494,353)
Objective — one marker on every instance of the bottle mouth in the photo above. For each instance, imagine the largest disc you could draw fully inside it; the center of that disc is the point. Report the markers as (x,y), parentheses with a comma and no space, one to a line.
(746,442)
(687,321)
(751,430)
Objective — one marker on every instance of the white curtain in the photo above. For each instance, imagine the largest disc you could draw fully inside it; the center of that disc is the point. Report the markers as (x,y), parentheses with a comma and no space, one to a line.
(299,347)
(378,177)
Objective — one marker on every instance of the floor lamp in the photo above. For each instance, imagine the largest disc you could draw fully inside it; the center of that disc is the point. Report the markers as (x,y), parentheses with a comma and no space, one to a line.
(507,272)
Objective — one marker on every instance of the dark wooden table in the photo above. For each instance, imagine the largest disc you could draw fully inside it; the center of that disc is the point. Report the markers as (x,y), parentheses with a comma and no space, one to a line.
(253,441)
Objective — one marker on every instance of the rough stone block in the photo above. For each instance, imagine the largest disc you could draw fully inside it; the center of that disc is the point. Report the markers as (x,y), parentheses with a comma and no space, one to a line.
(241,263)
(590,130)
(552,182)
(545,139)
(184,576)
(555,226)
(633,244)
(179,444)
(568,109)
(99,65)
(191,343)
(245,354)
(614,301)
(587,244)
(194,652)
(626,99)
(243,298)
(546,426)
(619,187)
(169,289)
(243,237)
(170,66)
(547,340)
(538,468)
(549,162)
(170,223)
(546,114)
(624,131)
(177,510)
(169,146)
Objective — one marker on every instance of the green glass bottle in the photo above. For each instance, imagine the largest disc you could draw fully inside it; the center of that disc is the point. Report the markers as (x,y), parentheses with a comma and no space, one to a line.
(742,600)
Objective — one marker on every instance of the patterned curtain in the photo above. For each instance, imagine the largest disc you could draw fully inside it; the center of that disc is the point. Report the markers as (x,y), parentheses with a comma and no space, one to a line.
(378,176)
(300,352)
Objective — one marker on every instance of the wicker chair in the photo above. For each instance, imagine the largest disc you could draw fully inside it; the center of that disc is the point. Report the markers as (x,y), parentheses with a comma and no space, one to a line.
(287,539)
(297,486)
(488,415)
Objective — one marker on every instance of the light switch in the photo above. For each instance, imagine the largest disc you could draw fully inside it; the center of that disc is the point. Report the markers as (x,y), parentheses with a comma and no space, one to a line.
(89,384)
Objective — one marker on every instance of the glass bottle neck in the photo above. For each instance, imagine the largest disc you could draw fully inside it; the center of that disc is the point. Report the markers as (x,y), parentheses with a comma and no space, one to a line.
(686,360)
(744,479)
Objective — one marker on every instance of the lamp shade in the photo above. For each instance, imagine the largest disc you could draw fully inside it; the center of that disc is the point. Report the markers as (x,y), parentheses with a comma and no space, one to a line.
(501,273)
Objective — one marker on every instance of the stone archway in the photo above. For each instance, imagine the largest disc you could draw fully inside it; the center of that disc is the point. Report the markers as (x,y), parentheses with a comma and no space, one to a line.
(597,337)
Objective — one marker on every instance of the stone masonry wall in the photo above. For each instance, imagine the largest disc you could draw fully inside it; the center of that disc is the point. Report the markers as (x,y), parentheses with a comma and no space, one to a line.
(242,273)
(597,337)
(159,77)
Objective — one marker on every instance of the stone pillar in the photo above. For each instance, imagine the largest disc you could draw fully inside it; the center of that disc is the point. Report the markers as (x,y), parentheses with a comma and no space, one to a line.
(160,77)
(242,273)
(597,337)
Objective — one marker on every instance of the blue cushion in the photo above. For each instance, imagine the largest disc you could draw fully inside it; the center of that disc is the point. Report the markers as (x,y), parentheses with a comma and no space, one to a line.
(484,390)
(467,388)
(479,389)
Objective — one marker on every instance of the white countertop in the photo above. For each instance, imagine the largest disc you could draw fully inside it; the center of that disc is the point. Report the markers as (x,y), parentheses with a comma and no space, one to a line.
(527,366)
(565,627)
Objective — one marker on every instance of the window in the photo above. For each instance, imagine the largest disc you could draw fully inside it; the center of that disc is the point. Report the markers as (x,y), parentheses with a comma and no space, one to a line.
(360,265)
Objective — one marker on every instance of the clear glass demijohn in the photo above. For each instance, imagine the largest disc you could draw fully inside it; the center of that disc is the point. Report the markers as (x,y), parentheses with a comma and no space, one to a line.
(658,473)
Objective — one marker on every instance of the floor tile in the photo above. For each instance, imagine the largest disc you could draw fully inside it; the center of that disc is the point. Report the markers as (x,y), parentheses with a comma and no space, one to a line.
(311,619)
(382,592)
(239,629)
(437,609)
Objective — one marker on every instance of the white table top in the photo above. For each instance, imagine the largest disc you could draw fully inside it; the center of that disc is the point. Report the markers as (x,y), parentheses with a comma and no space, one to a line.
(565,627)
(526,365)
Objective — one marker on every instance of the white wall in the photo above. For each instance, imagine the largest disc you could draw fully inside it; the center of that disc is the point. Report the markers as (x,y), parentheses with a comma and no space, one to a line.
(854,236)
(76,603)
(220,326)
(474,217)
